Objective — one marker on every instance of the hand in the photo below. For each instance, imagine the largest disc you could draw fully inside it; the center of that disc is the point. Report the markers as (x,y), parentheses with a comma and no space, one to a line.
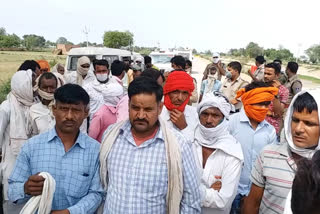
(66,211)
(178,119)
(219,64)
(217,185)
(276,83)
(250,73)
(33,186)
(234,101)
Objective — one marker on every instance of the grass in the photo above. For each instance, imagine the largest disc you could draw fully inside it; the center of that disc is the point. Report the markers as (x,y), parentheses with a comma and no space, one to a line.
(313,79)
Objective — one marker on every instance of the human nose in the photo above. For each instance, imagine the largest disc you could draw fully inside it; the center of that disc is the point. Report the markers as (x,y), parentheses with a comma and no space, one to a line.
(69,115)
(299,128)
(210,120)
(180,96)
(141,114)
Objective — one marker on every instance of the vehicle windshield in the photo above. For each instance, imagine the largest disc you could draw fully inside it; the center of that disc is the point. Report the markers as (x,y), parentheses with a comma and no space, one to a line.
(163,59)
(74,60)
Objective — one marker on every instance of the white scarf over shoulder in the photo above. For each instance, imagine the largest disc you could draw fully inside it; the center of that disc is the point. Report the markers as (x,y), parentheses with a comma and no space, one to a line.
(307,153)
(174,162)
(112,92)
(217,137)
(20,98)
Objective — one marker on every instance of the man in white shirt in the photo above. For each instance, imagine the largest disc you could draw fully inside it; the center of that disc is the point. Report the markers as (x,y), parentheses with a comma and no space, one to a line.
(218,155)
(41,115)
(176,113)
(83,75)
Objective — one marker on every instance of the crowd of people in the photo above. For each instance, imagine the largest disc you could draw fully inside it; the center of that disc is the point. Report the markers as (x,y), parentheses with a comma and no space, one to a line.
(126,138)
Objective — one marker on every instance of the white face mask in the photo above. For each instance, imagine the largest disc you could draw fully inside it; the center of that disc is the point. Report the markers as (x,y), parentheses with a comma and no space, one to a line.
(102,77)
(211,77)
(215,60)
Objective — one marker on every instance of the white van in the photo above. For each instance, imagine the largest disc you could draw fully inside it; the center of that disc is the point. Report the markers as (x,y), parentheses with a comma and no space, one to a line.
(109,54)
(161,59)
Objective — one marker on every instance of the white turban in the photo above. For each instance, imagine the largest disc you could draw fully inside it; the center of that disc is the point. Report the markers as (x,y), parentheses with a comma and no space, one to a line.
(80,70)
(111,92)
(218,101)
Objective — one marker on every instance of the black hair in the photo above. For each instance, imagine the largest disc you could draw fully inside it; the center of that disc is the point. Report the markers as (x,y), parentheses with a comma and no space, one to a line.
(145,85)
(258,84)
(277,61)
(29,64)
(305,101)
(236,66)
(306,186)
(260,59)
(153,74)
(275,67)
(102,62)
(179,61)
(147,59)
(188,62)
(117,67)
(47,75)
(293,67)
(71,94)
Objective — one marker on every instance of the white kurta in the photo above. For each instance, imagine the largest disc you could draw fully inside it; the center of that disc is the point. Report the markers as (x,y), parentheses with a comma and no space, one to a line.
(42,118)
(221,164)
(192,120)
(72,78)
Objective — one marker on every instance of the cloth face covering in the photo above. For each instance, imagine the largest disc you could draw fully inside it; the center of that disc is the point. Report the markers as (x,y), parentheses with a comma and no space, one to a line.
(177,80)
(255,96)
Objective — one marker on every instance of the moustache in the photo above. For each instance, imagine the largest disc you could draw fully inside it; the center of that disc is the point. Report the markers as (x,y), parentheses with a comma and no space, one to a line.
(140,120)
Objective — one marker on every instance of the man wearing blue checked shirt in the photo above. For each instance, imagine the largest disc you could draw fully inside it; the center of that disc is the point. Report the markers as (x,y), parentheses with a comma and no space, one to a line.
(147,167)
(70,156)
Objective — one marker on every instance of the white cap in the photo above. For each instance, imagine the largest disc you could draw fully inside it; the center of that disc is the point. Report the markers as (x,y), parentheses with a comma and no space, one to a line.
(215,54)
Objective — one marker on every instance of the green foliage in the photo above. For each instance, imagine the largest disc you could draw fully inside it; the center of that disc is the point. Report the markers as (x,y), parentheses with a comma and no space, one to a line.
(34,41)
(194,51)
(143,50)
(282,54)
(208,52)
(117,39)
(9,41)
(63,40)
(313,79)
(5,88)
(253,50)
(314,53)
(3,31)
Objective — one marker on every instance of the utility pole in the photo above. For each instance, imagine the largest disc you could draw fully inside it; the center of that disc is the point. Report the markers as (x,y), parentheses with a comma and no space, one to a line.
(86,32)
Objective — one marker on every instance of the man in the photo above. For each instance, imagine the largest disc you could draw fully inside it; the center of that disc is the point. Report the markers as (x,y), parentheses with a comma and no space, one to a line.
(251,130)
(276,108)
(233,83)
(145,166)
(96,88)
(275,168)
(154,74)
(216,62)
(294,84)
(282,77)
(194,96)
(258,75)
(32,65)
(211,84)
(136,71)
(148,63)
(218,154)
(44,65)
(118,70)
(83,75)
(41,115)
(68,155)
(14,128)
(178,63)
(176,113)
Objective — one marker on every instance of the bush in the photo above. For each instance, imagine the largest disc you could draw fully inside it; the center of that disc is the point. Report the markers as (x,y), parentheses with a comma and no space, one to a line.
(5,88)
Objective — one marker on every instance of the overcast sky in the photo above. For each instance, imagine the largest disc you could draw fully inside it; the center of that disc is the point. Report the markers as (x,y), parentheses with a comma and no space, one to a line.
(217,25)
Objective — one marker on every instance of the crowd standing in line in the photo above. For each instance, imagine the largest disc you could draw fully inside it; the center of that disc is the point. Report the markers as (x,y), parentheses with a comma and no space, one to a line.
(126,138)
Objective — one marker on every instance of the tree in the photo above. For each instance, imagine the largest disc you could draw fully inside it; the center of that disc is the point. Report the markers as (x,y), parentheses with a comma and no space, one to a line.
(34,41)
(63,40)
(253,50)
(3,31)
(208,52)
(9,41)
(117,39)
(313,53)
(194,51)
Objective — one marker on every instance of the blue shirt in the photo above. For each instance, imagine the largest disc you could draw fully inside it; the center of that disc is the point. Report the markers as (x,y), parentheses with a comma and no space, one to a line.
(204,85)
(252,142)
(76,172)
(138,176)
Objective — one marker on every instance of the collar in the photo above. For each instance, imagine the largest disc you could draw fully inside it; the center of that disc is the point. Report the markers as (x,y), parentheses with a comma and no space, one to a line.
(52,134)
(294,77)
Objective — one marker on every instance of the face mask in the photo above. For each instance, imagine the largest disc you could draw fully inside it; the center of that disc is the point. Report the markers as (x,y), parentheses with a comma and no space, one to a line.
(215,60)
(211,77)
(256,112)
(102,77)
(228,75)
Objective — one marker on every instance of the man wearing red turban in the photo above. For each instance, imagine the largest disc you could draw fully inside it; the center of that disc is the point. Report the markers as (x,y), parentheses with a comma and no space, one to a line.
(177,91)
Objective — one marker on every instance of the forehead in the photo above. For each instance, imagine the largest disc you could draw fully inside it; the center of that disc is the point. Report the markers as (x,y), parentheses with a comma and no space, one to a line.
(305,115)
(211,110)
(143,99)
(179,91)
(51,81)
(101,67)
(269,70)
(69,105)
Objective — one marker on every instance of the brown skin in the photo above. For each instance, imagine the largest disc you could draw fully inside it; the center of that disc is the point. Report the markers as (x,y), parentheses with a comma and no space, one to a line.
(177,117)
(49,86)
(34,77)
(86,65)
(271,77)
(251,74)
(136,74)
(176,67)
(220,70)
(252,202)
(60,70)
(235,74)
(210,118)
(38,72)
(144,111)
(69,118)
(101,69)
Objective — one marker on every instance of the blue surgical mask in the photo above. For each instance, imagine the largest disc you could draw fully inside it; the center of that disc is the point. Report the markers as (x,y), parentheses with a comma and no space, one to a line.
(228,75)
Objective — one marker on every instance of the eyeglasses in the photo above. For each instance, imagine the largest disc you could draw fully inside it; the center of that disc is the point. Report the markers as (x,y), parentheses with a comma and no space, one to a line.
(219,94)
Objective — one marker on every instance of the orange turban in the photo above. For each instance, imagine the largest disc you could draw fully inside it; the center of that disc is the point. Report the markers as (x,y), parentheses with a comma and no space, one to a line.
(177,80)
(255,96)
(44,64)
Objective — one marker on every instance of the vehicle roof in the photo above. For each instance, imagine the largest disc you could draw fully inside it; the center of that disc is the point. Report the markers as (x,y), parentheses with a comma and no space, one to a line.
(98,51)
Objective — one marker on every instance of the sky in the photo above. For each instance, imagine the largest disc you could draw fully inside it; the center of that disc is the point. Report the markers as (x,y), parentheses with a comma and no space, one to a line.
(215,25)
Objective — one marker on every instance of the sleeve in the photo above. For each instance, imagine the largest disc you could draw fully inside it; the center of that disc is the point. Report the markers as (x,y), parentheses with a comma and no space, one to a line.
(19,175)
(95,126)
(190,202)
(230,180)
(90,202)
(284,95)
(296,87)
(4,120)
(202,87)
(257,171)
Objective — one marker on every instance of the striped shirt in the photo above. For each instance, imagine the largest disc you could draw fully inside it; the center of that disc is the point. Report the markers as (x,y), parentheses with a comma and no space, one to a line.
(138,176)
(274,171)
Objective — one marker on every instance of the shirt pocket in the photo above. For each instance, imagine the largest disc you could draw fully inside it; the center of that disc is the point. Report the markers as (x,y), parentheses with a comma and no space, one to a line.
(77,184)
